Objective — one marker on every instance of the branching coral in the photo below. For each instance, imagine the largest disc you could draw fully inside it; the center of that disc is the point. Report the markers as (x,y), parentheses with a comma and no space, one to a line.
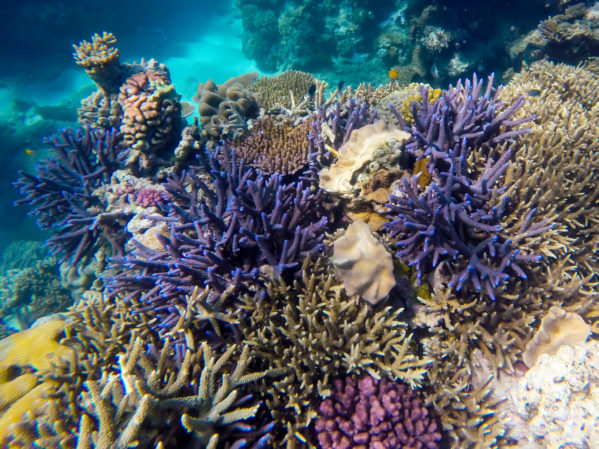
(61,193)
(456,218)
(228,221)
(277,146)
(100,59)
(375,413)
(283,91)
(314,332)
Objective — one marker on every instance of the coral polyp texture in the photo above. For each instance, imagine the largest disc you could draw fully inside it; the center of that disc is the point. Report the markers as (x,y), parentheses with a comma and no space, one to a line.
(61,193)
(152,120)
(277,146)
(375,414)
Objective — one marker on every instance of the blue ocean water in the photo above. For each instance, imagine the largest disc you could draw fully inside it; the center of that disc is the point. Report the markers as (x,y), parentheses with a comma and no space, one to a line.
(295,224)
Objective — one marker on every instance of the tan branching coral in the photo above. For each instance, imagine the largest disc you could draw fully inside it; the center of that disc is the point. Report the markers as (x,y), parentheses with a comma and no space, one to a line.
(364,264)
(100,59)
(152,120)
(224,108)
(275,146)
(283,91)
(313,331)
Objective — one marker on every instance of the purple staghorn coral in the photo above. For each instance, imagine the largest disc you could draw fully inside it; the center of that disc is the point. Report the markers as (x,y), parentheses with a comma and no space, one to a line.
(375,414)
(461,116)
(61,193)
(228,222)
(452,219)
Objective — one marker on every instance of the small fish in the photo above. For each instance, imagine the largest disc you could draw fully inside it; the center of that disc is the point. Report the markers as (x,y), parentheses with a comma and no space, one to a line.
(312,90)
(435,71)
(29,152)
(533,92)
(393,74)
(340,85)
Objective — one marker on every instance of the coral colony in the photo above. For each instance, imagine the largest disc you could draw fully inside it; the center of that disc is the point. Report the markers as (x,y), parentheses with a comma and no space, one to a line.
(454,219)
(241,298)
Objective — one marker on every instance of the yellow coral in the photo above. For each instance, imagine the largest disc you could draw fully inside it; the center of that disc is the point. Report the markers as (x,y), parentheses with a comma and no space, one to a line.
(405,111)
(36,349)
(98,53)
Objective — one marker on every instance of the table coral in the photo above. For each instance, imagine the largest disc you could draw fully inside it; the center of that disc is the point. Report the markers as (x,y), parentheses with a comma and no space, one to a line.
(375,414)
(282,91)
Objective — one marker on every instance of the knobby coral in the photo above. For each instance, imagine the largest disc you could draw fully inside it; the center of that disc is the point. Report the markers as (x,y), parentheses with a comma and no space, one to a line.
(375,414)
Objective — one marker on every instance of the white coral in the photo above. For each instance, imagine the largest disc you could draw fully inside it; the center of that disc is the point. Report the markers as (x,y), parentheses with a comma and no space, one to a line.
(559,398)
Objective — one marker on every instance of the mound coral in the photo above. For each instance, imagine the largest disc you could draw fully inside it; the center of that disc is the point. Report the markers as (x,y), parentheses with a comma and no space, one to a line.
(152,122)
(228,221)
(375,414)
(61,193)
(224,108)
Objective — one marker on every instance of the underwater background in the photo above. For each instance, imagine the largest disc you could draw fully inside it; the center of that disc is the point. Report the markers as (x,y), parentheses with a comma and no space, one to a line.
(294,224)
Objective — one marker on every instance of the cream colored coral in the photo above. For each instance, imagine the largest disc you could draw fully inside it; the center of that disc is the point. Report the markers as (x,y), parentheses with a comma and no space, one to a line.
(558,328)
(364,264)
(558,399)
(357,151)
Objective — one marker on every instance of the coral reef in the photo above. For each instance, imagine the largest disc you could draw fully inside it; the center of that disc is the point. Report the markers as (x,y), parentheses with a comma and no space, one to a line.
(227,221)
(225,108)
(152,123)
(61,193)
(375,413)
(364,264)
(276,146)
(313,332)
(32,293)
(557,399)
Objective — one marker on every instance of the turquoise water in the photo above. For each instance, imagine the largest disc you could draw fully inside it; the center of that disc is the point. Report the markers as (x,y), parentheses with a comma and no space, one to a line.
(296,224)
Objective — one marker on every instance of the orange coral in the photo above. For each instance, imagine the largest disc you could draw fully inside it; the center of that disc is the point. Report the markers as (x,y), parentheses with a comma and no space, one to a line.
(151,117)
